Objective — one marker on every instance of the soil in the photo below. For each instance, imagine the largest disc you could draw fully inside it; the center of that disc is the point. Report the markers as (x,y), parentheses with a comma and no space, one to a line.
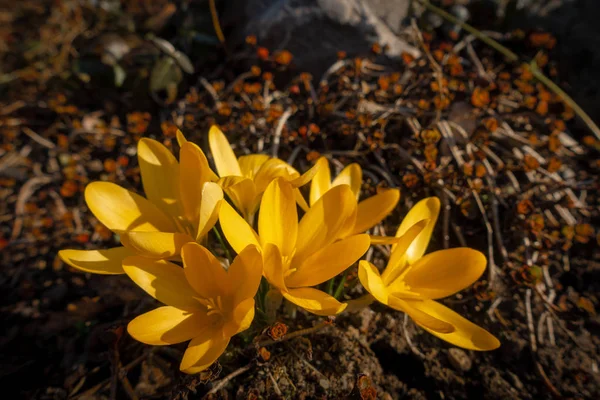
(523,189)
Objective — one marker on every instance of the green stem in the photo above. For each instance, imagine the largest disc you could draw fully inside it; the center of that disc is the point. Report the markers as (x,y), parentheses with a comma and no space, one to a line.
(511,56)
(340,287)
(223,245)
(330,286)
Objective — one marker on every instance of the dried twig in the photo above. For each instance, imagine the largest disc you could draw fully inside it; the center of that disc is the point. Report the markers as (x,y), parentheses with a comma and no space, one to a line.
(221,383)
(278,130)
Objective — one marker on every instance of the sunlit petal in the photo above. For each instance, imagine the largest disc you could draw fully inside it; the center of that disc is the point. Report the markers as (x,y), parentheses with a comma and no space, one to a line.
(397,262)
(160,175)
(250,164)
(162,280)
(321,182)
(329,261)
(416,310)
(309,175)
(180,138)
(244,274)
(466,334)
(194,173)
(204,272)
(236,230)
(351,176)
(120,209)
(242,193)
(272,169)
(314,301)
(371,280)
(445,272)
(301,200)
(325,220)
(107,262)
(373,210)
(278,217)
(204,350)
(429,209)
(225,160)
(167,325)
(241,318)
(272,266)
(155,244)
(212,197)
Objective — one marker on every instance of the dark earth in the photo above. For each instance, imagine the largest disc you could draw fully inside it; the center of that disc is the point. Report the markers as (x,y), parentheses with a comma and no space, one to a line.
(516,169)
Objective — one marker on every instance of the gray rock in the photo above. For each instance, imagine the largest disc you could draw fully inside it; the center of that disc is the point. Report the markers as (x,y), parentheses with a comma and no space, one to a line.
(459,359)
(314,30)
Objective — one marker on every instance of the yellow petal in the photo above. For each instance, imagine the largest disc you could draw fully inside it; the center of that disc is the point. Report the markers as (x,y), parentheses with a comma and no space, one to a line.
(194,173)
(329,261)
(355,305)
(373,210)
(120,209)
(273,267)
(278,217)
(377,239)
(397,262)
(419,313)
(162,280)
(466,334)
(325,220)
(160,175)
(236,230)
(212,197)
(155,244)
(242,193)
(241,318)
(245,273)
(429,209)
(371,280)
(300,200)
(180,138)
(225,160)
(272,169)
(314,301)
(204,272)
(167,325)
(204,350)
(250,164)
(308,175)
(321,182)
(351,176)
(445,272)
(106,262)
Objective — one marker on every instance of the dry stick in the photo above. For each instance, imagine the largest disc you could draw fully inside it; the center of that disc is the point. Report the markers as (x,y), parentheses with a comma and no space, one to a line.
(39,139)
(220,384)
(530,320)
(278,130)
(24,194)
(492,270)
(511,56)
(292,335)
(211,90)
(408,339)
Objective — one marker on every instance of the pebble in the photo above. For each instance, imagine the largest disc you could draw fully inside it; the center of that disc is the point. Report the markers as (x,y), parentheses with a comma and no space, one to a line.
(459,359)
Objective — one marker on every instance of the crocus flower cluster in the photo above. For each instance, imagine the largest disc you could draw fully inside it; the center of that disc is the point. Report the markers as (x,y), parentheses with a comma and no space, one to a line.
(291,244)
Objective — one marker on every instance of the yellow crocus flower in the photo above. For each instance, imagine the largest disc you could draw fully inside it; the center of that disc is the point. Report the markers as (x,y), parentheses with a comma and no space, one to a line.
(413,281)
(369,212)
(299,255)
(181,206)
(245,179)
(203,301)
